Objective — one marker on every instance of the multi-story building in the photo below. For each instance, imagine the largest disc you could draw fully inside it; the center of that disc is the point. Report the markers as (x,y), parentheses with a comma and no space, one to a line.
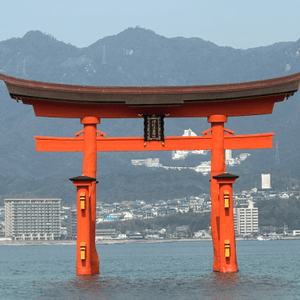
(32,219)
(246,219)
(72,224)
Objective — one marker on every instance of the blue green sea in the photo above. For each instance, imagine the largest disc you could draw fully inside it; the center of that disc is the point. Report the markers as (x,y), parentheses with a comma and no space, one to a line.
(177,270)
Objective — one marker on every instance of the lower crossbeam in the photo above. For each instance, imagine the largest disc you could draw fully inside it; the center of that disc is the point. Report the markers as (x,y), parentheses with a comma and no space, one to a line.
(105,144)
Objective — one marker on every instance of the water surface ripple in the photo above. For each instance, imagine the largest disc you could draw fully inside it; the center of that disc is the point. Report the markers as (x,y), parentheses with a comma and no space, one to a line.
(179,270)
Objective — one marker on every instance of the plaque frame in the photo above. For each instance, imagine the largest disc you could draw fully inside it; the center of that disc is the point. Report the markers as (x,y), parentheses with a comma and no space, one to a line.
(154,128)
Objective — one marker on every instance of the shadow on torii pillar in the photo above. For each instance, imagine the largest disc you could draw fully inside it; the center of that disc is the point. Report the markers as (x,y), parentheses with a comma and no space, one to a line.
(154,104)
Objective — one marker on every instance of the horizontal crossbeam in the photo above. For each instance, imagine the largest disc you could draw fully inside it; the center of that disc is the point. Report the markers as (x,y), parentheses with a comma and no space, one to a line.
(104,144)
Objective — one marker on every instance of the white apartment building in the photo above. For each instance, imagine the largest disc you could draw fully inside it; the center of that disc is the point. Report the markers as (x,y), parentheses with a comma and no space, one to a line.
(246,219)
(32,219)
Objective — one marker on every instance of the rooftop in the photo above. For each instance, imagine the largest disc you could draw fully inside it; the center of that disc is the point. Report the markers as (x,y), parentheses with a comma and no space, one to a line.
(173,101)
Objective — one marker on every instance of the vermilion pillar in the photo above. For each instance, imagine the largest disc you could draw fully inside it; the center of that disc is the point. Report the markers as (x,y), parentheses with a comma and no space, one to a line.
(84,252)
(227,248)
(217,167)
(89,168)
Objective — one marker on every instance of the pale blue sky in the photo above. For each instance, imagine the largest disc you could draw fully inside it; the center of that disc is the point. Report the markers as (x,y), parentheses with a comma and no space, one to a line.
(236,23)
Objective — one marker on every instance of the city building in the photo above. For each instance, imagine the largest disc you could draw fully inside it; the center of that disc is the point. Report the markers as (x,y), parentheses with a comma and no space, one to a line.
(182,232)
(246,219)
(72,224)
(32,219)
(266,181)
(148,162)
(182,154)
(104,233)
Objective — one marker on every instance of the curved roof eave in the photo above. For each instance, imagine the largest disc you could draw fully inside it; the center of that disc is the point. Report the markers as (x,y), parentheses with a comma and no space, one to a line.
(158,95)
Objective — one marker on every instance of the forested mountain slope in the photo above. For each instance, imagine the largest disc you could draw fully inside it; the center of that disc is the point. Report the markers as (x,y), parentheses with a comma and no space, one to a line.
(138,57)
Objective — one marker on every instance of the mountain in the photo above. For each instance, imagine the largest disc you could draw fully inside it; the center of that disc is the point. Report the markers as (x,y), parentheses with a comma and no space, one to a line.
(139,57)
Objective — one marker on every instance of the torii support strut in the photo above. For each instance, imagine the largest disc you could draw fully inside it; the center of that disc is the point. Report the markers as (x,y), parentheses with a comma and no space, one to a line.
(87,261)
(227,261)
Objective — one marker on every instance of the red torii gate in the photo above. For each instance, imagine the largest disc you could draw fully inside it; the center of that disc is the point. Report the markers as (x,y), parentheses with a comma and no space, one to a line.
(216,102)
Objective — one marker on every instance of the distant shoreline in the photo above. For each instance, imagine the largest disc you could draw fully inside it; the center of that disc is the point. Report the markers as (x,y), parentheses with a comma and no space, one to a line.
(112,241)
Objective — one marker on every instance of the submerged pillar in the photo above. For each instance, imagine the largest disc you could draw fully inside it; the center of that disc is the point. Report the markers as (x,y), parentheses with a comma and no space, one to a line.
(89,168)
(85,262)
(227,247)
(217,167)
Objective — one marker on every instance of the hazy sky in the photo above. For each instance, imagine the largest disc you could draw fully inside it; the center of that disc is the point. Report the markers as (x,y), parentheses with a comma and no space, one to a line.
(236,23)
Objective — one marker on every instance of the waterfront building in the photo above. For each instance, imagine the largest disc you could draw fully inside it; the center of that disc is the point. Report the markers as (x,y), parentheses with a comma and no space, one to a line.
(246,219)
(182,232)
(32,219)
(72,224)
(105,233)
(296,232)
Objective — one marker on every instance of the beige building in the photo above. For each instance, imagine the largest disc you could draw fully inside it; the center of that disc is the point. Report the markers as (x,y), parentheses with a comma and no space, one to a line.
(32,219)
(246,219)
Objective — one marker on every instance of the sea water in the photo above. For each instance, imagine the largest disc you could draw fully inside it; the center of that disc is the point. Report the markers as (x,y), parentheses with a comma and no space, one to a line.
(177,270)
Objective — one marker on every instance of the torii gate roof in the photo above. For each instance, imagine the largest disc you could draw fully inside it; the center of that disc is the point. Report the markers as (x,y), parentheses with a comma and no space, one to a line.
(75,101)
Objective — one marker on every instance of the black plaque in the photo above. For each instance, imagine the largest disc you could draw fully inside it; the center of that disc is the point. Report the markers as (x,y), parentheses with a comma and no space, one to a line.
(154,128)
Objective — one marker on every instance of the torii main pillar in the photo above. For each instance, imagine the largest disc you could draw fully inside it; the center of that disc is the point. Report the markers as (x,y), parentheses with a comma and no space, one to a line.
(217,167)
(87,260)
(89,168)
